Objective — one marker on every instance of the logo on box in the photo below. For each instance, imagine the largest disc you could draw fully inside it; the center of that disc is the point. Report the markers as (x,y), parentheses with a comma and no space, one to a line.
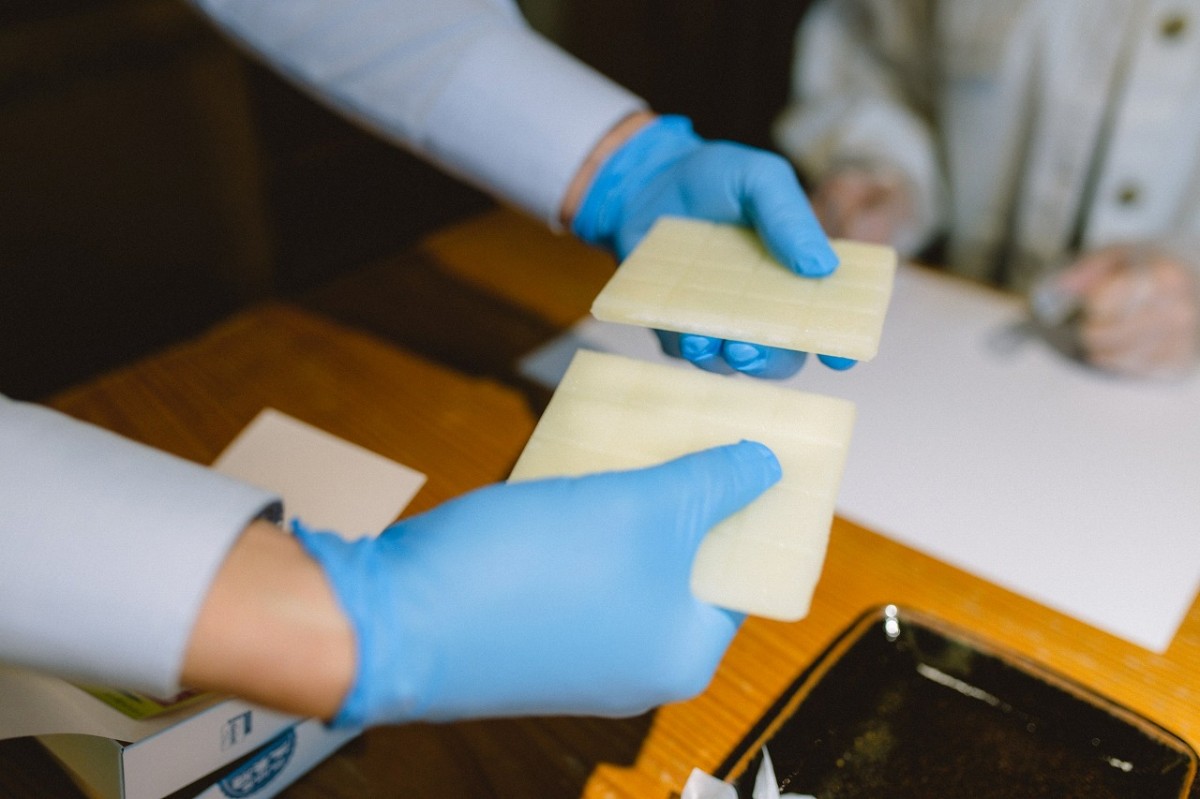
(253,775)
(235,730)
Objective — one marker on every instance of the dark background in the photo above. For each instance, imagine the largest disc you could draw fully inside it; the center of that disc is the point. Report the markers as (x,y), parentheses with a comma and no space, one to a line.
(153,179)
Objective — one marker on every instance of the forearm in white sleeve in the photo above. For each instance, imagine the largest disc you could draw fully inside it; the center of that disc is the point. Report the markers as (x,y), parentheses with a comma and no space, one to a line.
(464,83)
(856,67)
(107,549)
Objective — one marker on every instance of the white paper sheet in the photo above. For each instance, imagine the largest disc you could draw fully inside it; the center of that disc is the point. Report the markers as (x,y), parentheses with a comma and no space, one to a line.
(1072,487)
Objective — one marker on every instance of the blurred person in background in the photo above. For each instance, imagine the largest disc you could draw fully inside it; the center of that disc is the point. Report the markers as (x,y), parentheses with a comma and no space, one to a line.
(1051,146)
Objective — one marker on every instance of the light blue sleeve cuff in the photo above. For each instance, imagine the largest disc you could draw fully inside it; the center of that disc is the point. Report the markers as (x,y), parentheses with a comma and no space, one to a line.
(464,83)
(521,117)
(109,549)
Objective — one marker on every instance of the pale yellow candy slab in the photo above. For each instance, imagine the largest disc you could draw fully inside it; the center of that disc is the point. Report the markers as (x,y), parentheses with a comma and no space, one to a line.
(612,412)
(718,280)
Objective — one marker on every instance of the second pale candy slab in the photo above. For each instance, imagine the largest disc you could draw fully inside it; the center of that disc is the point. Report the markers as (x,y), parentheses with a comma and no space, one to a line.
(611,412)
(692,276)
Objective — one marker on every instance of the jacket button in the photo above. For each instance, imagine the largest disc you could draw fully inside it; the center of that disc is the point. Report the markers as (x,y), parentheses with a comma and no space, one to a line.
(1128,194)
(1173,26)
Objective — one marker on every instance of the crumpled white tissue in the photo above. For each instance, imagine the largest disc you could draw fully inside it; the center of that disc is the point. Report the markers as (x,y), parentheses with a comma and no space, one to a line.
(705,786)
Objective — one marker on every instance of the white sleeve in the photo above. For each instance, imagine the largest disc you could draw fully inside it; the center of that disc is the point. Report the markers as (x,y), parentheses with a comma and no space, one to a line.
(861,93)
(465,84)
(107,549)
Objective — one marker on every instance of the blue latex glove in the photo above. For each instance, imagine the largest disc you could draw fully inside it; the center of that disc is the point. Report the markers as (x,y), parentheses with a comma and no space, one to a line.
(666,169)
(562,596)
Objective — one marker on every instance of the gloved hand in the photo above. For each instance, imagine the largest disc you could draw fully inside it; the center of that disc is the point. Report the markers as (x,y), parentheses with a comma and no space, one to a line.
(666,169)
(561,596)
(1139,309)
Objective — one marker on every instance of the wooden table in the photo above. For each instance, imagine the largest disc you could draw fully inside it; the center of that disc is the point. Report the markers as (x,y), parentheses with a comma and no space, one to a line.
(391,358)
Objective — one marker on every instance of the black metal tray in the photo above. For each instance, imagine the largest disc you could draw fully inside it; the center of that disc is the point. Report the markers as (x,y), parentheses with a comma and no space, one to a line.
(904,705)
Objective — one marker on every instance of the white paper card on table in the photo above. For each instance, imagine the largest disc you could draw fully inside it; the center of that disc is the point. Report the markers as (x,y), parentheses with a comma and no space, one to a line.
(611,412)
(312,469)
(1070,486)
(692,276)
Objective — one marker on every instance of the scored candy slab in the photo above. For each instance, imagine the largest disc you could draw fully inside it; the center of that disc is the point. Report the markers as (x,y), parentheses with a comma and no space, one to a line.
(719,280)
(612,412)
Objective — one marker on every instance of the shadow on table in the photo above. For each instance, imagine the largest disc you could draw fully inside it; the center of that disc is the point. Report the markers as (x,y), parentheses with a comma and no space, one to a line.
(537,757)
(414,303)
(28,770)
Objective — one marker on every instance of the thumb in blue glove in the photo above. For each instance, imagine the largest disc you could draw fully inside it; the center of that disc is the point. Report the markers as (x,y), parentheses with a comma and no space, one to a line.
(666,169)
(560,596)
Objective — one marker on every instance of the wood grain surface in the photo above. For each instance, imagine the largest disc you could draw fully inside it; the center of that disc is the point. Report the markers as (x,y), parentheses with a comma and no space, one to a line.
(370,380)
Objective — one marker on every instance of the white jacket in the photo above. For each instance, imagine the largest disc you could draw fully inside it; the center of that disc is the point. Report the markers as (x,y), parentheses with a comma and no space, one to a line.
(108,548)
(1027,127)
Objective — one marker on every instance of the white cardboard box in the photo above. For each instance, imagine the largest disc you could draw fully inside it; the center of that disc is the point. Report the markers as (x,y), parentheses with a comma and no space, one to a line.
(281,749)
(112,755)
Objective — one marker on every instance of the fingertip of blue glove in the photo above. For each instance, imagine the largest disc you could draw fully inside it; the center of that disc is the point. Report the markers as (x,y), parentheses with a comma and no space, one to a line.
(695,348)
(704,352)
(745,357)
(729,477)
(836,363)
(759,455)
(766,362)
(815,260)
